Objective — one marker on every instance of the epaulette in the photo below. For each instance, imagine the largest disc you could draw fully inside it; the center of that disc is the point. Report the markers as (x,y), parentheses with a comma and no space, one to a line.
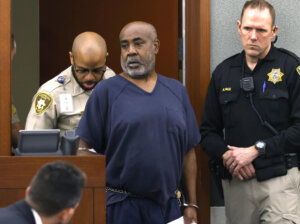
(49,86)
(289,53)
(53,84)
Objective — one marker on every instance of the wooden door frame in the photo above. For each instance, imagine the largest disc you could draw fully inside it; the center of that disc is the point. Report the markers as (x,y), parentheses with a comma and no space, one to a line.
(197,80)
(5,63)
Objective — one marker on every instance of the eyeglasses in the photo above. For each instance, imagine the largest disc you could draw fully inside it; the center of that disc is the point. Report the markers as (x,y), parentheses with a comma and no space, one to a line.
(84,71)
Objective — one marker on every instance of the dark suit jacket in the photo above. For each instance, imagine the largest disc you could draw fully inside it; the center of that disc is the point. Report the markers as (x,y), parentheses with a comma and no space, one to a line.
(17,213)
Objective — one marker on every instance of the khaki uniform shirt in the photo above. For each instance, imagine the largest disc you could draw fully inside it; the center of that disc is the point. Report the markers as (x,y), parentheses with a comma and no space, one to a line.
(59,105)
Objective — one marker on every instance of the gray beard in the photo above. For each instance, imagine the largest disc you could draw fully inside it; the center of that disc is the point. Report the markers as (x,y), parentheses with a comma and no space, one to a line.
(141,73)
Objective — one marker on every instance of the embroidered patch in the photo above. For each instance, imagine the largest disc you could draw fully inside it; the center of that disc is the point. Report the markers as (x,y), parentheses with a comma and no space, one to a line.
(298,69)
(275,75)
(42,102)
(226,89)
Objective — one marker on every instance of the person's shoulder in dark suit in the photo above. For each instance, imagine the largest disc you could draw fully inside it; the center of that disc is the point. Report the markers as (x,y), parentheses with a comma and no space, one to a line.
(17,213)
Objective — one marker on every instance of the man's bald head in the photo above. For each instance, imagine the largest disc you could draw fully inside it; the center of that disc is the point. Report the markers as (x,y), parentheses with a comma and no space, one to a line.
(89,43)
(88,54)
(146,27)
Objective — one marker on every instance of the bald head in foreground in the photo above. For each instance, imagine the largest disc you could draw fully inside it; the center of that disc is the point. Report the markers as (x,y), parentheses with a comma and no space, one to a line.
(60,102)
(51,198)
(143,122)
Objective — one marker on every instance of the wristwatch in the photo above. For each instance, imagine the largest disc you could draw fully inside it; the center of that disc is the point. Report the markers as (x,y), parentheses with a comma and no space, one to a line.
(260,147)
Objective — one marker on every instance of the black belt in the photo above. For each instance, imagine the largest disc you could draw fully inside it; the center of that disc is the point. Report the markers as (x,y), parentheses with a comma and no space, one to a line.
(291,161)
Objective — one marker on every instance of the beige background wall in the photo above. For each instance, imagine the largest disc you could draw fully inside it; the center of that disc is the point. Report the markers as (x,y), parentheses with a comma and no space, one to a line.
(25,66)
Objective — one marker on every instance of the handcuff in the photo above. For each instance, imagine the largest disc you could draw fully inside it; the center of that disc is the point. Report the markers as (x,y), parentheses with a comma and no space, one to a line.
(191,205)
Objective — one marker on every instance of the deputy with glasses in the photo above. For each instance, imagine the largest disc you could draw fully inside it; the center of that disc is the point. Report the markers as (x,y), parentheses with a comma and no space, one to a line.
(60,102)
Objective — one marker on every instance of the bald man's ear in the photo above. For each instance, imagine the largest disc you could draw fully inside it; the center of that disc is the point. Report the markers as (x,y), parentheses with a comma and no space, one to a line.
(156,45)
(71,57)
(107,54)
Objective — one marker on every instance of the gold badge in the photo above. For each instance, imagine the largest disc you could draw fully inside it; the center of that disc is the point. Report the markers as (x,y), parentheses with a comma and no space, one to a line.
(275,75)
(298,69)
(42,102)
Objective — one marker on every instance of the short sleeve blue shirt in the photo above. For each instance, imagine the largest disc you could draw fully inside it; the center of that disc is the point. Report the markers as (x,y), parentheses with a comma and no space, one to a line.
(144,136)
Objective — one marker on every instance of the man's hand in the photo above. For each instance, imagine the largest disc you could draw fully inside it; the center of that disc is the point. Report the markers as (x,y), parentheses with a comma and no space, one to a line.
(83,149)
(247,172)
(238,161)
(190,215)
(190,177)
(86,152)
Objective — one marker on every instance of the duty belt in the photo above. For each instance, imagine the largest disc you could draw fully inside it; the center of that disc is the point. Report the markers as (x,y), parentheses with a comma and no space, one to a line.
(291,161)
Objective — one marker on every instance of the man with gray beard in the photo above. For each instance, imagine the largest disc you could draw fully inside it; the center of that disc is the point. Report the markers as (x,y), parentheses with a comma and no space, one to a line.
(145,126)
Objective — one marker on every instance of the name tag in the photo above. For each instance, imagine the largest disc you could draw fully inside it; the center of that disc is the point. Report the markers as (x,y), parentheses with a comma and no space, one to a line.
(66,103)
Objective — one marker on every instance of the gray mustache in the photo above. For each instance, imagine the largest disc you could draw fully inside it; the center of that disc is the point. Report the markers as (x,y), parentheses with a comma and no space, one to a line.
(133,60)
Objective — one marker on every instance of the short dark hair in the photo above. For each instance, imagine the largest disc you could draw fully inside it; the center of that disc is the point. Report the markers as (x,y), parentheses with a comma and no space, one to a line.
(261,4)
(56,186)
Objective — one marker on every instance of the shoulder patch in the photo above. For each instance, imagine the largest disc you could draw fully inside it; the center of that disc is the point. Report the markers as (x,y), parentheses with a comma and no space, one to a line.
(42,102)
(298,69)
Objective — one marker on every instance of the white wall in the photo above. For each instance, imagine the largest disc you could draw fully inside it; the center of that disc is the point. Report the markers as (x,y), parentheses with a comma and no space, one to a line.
(225,40)
(25,66)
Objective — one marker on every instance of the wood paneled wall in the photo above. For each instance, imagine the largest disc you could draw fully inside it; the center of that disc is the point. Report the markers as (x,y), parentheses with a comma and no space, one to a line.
(61,21)
(5,40)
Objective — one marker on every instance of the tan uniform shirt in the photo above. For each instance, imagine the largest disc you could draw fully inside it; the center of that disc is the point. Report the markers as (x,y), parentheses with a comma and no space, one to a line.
(57,105)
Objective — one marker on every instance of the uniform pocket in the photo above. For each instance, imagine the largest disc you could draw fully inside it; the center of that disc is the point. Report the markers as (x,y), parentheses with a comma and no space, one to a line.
(275,103)
(228,101)
(275,94)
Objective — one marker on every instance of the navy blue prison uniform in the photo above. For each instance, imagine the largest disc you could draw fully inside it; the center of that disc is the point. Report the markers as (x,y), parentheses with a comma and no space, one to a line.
(144,137)
(276,98)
